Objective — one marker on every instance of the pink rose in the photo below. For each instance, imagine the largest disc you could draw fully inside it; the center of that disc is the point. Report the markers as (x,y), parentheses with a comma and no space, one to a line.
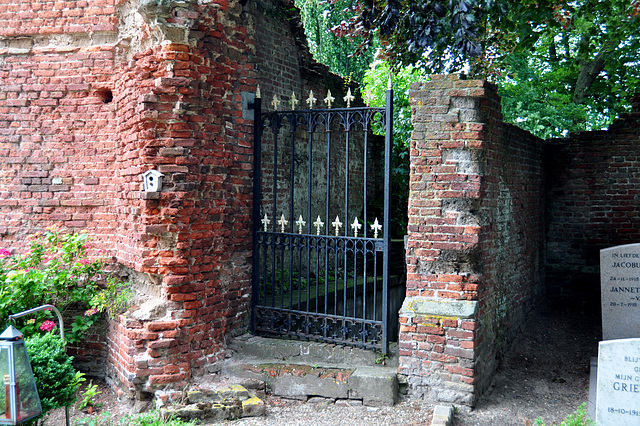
(4,253)
(47,325)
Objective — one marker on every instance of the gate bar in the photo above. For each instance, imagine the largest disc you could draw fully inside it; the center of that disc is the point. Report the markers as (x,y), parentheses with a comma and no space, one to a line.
(388,142)
(256,105)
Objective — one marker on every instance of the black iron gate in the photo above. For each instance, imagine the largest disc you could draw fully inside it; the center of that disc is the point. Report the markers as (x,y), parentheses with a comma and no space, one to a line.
(321,223)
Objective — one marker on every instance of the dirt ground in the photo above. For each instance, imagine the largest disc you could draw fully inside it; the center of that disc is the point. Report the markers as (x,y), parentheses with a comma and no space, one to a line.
(547,372)
(546,376)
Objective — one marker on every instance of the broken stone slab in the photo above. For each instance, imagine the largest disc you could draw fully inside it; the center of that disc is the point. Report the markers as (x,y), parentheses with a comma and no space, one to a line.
(253,407)
(374,385)
(208,411)
(227,403)
(234,392)
(443,415)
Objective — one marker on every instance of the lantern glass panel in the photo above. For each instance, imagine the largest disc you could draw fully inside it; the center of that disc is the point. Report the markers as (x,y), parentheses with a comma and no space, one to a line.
(29,400)
(21,379)
(5,399)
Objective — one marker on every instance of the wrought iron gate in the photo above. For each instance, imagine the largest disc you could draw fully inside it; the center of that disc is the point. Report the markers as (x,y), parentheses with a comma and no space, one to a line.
(321,223)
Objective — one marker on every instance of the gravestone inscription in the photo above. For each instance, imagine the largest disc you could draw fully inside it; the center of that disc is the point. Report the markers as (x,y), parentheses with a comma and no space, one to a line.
(620,291)
(618,400)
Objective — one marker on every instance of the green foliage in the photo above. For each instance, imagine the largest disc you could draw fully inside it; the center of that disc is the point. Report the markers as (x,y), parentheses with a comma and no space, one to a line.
(88,396)
(57,271)
(113,298)
(102,419)
(580,418)
(577,71)
(376,82)
(536,101)
(56,379)
(338,53)
(440,35)
(152,418)
(382,359)
(562,66)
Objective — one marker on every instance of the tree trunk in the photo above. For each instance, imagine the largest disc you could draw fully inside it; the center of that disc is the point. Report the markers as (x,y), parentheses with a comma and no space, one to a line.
(589,71)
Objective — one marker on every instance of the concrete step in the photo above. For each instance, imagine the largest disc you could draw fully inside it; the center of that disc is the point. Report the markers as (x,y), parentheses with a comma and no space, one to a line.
(303,370)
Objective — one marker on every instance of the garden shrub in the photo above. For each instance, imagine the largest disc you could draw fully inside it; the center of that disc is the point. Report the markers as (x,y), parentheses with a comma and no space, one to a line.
(56,379)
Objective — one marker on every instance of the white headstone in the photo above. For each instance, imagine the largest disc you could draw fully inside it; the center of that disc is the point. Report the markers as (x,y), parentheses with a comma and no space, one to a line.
(618,400)
(620,291)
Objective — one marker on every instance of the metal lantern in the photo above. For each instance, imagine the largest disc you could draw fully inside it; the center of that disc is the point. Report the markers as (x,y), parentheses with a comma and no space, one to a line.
(20,401)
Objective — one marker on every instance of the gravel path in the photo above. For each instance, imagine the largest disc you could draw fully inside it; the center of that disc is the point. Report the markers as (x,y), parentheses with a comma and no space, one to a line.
(293,413)
(546,375)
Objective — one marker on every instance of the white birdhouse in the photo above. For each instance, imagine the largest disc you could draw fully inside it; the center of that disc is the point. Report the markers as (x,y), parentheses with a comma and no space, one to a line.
(152,180)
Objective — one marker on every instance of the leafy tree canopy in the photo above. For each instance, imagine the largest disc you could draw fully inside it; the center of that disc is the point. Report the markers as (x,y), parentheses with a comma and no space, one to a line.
(319,17)
(561,65)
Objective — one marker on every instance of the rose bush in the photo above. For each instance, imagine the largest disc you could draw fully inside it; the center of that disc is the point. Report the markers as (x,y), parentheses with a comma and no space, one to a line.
(57,271)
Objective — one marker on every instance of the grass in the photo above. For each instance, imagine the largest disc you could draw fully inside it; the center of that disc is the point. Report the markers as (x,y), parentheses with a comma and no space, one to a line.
(579,418)
(151,418)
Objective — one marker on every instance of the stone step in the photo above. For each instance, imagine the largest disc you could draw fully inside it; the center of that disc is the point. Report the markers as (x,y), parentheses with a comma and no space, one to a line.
(301,370)
(310,353)
(374,386)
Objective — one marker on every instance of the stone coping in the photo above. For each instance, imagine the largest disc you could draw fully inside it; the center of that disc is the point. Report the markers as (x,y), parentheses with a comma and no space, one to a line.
(424,306)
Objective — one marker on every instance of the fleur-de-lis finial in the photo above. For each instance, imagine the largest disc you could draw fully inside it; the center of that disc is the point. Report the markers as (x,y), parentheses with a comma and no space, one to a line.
(282,222)
(329,99)
(356,226)
(265,221)
(368,97)
(275,102)
(318,224)
(376,227)
(300,222)
(311,100)
(349,98)
(258,94)
(294,101)
(337,224)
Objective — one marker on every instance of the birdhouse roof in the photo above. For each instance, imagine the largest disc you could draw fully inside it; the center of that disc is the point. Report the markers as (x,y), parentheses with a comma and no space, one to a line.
(153,173)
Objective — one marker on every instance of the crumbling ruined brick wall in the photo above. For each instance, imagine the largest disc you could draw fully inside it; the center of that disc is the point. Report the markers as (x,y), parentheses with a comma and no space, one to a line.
(475,238)
(593,203)
(94,94)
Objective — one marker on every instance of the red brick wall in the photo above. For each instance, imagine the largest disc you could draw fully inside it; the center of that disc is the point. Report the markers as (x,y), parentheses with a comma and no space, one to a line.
(476,238)
(92,96)
(593,198)
(81,123)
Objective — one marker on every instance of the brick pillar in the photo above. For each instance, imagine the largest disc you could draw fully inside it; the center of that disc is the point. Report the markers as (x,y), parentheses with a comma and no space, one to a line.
(186,248)
(439,316)
(475,238)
